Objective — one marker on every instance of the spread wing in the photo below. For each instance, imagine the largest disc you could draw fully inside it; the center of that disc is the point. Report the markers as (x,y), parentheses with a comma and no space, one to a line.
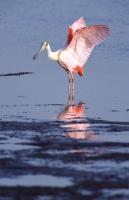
(80,23)
(82,44)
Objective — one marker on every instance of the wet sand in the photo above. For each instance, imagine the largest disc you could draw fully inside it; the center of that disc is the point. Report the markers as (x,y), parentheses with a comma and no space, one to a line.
(72,156)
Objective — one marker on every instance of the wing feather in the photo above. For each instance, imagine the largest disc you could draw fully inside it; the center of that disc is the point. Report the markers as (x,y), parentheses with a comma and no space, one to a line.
(82,44)
(80,23)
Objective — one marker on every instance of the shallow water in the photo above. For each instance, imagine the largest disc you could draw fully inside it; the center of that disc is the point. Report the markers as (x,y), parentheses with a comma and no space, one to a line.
(48,148)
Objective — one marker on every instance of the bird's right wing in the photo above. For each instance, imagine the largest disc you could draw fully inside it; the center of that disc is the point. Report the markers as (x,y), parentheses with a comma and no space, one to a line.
(82,44)
(78,24)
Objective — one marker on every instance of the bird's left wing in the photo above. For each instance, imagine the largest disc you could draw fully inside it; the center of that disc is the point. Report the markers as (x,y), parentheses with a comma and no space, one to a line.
(78,24)
(82,44)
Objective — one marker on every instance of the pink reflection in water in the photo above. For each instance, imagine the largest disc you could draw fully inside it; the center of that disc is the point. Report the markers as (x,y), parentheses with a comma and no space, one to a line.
(78,127)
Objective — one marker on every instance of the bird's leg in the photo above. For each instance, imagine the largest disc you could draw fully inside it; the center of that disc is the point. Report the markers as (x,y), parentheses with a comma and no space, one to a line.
(69,88)
(72,77)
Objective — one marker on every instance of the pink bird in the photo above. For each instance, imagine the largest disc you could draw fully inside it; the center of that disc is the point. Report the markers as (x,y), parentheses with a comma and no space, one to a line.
(81,40)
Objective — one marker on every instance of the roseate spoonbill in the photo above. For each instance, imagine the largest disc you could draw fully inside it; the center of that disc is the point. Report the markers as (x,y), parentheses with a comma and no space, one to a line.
(81,40)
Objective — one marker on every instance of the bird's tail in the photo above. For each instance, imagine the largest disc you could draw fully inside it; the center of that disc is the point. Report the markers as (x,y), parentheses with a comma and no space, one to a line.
(79,70)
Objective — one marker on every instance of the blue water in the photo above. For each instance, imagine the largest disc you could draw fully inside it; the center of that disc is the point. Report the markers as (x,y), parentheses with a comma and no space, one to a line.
(88,151)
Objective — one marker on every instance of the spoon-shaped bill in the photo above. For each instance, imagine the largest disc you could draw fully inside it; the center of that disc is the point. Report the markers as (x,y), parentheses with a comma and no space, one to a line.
(36,55)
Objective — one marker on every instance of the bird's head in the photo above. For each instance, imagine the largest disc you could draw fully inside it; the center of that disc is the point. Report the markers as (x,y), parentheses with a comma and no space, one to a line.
(43,46)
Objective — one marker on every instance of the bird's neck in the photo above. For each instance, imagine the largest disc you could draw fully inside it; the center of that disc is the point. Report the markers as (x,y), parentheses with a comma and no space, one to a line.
(52,55)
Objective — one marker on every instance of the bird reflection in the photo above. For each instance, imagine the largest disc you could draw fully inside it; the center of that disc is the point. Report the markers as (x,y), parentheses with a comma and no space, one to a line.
(76,124)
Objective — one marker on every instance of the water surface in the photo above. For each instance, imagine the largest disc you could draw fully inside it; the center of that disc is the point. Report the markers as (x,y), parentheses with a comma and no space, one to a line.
(48,148)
